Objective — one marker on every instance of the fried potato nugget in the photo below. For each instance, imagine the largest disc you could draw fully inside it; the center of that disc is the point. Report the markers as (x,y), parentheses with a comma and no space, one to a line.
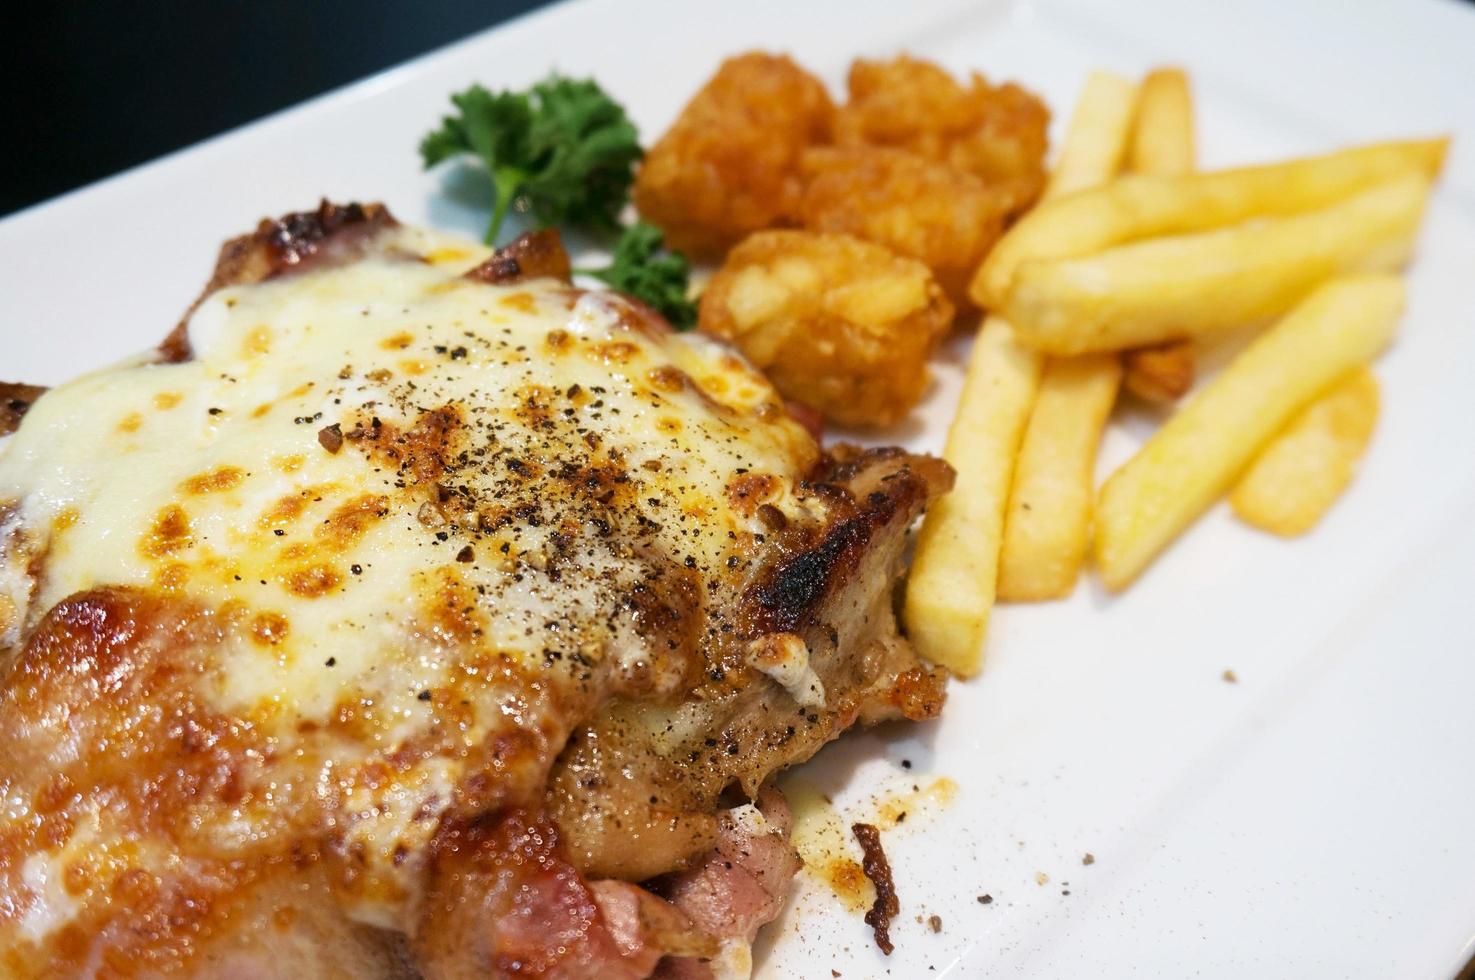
(942,217)
(997,133)
(840,324)
(729,165)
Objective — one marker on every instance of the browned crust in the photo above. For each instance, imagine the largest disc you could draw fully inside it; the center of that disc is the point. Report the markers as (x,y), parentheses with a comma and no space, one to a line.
(831,585)
(15,401)
(332,234)
(535,255)
(878,869)
(785,600)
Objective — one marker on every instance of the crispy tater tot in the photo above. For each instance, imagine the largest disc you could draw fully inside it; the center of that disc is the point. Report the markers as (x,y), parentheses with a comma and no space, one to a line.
(729,165)
(941,216)
(842,325)
(997,133)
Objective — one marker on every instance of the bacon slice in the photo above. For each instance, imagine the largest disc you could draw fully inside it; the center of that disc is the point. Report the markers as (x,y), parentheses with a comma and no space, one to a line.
(740,886)
(15,401)
(538,254)
(503,902)
(333,234)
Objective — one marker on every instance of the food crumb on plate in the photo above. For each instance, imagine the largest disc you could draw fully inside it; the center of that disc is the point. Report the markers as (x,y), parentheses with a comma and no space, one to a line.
(1230,677)
(878,870)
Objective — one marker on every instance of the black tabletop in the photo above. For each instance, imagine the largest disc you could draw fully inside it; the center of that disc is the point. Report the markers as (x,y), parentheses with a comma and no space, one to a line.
(103,86)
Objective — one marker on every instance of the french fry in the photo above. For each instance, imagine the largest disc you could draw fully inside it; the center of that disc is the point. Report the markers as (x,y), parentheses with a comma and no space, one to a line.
(1096,141)
(1195,456)
(1162,145)
(1149,292)
(951,587)
(1047,521)
(1137,207)
(1162,141)
(1161,373)
(1047,525)
(1301,473)
(950,591)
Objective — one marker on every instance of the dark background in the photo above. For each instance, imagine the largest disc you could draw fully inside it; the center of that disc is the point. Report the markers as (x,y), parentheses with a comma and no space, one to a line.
(99,87)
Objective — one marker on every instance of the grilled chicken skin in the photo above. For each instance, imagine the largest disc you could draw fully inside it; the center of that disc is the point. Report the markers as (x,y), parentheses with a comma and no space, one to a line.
(411,612)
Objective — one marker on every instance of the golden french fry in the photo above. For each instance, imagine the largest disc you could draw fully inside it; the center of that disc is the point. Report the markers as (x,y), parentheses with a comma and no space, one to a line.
(1193,459)
(1146,293)
(1162,145)
(1047,525)
(951,586)
(950,591)
(1161,373)
(1140,206)
(1162,141)
(1302,472)
(1047,522)
(1096,141)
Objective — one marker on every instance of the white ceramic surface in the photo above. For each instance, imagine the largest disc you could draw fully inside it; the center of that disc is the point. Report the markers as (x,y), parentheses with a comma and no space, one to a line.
(1313,819)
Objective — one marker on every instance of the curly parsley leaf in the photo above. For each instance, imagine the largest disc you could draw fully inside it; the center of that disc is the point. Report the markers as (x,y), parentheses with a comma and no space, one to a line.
(563,150)
(643,268)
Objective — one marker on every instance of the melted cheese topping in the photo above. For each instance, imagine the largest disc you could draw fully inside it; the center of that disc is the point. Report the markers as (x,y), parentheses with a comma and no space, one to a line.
(333,471)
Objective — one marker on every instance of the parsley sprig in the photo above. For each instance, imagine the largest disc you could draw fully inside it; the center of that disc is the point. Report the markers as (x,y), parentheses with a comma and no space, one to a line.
(566,152)
(563,149)
(642,267)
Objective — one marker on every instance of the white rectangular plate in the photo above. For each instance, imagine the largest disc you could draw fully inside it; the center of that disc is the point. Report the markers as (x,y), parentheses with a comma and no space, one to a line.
(1312,819)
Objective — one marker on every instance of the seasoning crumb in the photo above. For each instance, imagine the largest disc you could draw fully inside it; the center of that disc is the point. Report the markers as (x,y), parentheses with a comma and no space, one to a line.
(985,900)
(423,696)
(1089,858)
(834,973)
(1230,677)
(906,763)
(1041,878)
(878,870)
(330,662)
(330,437)
(1065,891)
(466,554)
(934,922)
